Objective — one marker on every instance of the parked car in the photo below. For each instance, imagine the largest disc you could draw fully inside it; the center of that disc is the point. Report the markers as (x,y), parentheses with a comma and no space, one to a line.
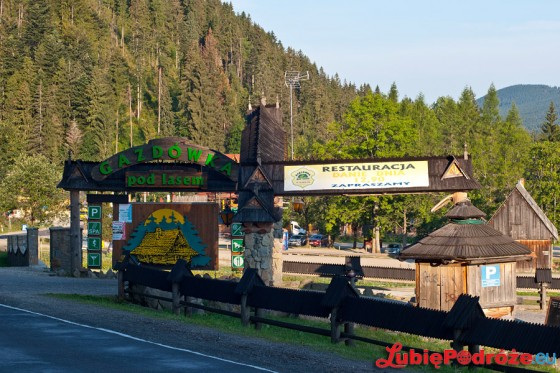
(297,240)
(317,240)
(394,249)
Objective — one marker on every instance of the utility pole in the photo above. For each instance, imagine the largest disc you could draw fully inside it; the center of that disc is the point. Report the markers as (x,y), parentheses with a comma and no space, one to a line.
(292,80)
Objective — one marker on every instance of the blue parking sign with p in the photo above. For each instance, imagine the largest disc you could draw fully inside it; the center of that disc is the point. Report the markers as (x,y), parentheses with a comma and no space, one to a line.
(490,275)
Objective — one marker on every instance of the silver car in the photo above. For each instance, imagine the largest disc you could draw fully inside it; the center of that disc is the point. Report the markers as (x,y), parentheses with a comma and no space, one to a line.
(297,240)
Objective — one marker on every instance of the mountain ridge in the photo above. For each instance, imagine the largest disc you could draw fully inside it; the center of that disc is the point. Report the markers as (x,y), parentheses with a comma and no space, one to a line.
(532,101)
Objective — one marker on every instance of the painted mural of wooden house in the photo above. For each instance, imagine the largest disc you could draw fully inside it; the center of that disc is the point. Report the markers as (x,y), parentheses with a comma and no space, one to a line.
(520,218)
(164,247)
(466,256)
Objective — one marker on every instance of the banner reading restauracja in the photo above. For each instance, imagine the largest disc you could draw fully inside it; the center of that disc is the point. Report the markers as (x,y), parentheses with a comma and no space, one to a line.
(356,176)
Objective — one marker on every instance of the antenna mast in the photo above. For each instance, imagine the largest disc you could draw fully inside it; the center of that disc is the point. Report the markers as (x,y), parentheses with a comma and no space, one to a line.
(292,80)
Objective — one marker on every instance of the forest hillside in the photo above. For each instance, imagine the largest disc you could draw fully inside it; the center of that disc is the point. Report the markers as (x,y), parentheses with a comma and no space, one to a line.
(532,101)
(88,78)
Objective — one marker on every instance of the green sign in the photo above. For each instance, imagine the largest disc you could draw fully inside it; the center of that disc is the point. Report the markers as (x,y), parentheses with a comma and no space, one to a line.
(94,243)
(237,245)
(94,228)
(237,230)
(165,149)
(94,212)
(94,260)
(237,261)
(160,179)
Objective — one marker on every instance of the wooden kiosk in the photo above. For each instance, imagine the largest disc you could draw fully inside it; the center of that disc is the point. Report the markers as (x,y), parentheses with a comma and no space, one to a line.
(467,256)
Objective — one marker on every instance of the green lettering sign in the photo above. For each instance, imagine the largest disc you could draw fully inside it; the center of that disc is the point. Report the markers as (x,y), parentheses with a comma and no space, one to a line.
(94,228)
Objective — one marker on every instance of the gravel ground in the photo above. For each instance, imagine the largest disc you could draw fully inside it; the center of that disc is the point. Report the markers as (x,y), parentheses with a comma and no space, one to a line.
(25,287)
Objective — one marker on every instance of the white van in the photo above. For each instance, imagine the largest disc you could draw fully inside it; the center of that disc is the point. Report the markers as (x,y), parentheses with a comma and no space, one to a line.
(296,229)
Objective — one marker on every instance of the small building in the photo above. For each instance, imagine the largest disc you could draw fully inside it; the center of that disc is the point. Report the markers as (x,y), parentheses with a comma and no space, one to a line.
(520,218)
(466,256)
(164,247)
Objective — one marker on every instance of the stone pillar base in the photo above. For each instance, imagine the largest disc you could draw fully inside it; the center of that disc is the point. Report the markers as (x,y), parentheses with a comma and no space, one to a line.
(263,253)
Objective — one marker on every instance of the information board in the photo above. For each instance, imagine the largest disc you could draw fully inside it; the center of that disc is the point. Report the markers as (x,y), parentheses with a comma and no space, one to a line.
(553,312)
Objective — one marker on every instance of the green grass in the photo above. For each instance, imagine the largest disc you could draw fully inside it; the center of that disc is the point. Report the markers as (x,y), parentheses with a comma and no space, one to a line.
(536,294)
(359,283)
(360,351)
(3,258)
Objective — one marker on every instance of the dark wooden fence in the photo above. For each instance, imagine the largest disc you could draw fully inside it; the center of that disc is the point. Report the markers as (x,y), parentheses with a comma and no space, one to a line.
(391,273)
(464,325)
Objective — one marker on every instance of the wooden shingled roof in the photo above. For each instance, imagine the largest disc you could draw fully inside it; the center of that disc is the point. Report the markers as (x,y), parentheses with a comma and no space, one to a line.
(520,190)
(263,139)
(157,246)
(467,238)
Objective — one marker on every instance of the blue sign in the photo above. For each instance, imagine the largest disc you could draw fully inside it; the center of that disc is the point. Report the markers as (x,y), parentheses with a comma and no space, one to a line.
(490,275)
(285,240)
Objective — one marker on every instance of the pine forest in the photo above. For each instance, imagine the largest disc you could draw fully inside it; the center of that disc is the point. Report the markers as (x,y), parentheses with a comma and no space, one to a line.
(88,78)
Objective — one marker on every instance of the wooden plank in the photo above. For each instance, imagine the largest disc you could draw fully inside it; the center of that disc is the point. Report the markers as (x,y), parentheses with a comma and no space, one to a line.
(445,295)
(430,284)
(451,285)
(464,279)
(457,281)
(498,312)
(542,258)
(417,283)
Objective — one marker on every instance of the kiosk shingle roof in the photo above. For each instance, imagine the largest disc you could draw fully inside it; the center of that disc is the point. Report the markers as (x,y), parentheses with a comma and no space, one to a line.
(466,238)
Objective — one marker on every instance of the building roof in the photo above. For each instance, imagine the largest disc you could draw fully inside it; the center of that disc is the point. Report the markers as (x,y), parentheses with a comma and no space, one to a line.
(519,188)
(467,238)
(155,246)
(465,210)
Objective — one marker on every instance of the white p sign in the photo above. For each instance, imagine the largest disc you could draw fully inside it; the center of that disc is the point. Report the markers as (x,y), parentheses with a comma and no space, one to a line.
(490,275)
(490,271)
(94,212)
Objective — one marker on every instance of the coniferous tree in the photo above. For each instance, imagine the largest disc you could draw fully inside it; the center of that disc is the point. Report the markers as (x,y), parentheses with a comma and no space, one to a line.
(73,139)
(394,93)
(550,129)
(491,107)
(19,118)
(100,129)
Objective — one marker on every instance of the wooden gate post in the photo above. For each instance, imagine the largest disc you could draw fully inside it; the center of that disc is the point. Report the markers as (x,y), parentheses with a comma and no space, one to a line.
(349,330)
(456,344)
(120,284)
(335,326)
(542,295)
(258,313)
(176,294)
(245,311)
(75,232)
(188,310)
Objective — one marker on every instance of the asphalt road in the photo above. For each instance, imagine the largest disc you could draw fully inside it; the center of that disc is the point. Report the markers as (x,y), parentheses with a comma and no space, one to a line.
(41,333)
(35,342)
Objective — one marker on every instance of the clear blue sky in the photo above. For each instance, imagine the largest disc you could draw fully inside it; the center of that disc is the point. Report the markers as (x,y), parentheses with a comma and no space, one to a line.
(434,47)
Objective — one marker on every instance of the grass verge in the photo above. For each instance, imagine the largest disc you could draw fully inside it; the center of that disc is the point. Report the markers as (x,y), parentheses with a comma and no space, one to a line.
(3,258)
(360,351)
